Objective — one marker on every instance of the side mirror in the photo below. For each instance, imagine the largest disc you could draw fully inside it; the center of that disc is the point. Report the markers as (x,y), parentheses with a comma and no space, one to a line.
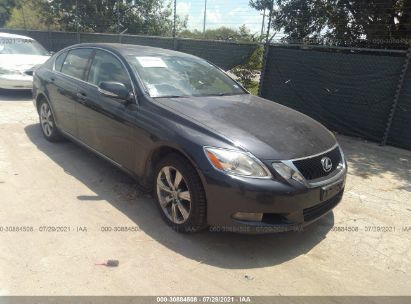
(114,90)
(51,53)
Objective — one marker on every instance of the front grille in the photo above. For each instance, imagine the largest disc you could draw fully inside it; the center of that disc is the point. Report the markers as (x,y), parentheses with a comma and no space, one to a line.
(316,211)
(312,168)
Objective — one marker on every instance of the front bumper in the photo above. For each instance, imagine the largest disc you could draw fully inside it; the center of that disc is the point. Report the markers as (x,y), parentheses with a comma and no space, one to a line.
(16,82)
(286,207)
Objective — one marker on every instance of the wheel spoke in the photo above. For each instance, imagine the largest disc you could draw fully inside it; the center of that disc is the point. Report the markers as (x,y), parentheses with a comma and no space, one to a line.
(177,180)
(48,131)
(185,195)
(163,187)
(174,213)
(164,203)
(167,174)
(182,210)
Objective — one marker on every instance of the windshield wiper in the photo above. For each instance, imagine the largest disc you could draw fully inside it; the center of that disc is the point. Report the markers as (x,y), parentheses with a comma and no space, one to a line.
(227,94)
(171,96)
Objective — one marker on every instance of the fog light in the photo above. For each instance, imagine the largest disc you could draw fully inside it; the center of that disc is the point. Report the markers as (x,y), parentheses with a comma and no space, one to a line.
(247,216)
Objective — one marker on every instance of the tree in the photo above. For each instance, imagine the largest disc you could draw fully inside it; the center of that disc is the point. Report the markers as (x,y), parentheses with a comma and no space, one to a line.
(136,17)
(246,73)
(6,7)
(341,22)
(243,34)
(29,14)
(262,4)
(249,72)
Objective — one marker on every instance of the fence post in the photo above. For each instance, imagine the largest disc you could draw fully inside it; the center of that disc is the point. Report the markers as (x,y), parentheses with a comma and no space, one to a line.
(396,97)
(51,46)
(77,23)
(266,50)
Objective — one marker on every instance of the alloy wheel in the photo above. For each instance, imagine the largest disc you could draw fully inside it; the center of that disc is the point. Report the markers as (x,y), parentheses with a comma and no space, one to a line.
(46,119)
(174,195)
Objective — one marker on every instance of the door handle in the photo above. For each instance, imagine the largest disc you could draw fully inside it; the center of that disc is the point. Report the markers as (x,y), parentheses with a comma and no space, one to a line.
(82,97)
(52,79)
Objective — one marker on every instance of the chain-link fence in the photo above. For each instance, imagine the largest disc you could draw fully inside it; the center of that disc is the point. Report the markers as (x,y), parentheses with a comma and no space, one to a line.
(225,54)
(362,89)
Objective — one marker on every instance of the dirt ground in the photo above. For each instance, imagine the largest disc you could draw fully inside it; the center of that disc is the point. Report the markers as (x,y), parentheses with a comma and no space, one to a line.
(362,248)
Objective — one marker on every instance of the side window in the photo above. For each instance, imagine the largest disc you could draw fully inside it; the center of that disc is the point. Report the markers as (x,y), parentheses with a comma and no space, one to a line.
(106,67)
(76,62)
(58,63)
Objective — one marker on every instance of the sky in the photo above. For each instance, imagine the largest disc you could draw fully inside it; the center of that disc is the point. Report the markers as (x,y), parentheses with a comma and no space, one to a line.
(230,13)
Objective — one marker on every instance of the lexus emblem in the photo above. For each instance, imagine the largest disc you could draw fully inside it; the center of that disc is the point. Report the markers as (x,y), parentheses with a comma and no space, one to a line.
(327,164)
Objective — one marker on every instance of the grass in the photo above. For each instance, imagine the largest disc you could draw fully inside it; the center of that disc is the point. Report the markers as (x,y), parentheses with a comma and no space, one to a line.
(253,88)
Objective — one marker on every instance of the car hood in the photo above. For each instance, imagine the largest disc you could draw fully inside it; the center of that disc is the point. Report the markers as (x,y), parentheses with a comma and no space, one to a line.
(21,62)
(267,129)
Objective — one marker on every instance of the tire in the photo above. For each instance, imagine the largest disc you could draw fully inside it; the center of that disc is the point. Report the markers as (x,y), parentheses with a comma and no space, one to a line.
(189,187)
(47,122)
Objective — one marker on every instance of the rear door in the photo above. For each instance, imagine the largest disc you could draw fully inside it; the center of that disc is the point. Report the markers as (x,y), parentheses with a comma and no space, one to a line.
(105,123)
(69,71)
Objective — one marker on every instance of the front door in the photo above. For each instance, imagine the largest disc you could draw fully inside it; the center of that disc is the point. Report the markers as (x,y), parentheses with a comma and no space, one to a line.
(68,72)
(105,123)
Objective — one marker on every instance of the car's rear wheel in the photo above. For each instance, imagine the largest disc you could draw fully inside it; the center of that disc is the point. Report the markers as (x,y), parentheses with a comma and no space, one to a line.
(180,194)
(47,122)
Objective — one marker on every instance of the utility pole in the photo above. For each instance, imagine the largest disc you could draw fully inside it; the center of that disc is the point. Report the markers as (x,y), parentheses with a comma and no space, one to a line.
(266,48)
(205,16)
(175,19)
(175,26)
(262,26)
(118,16)
(77,23)
(24,17)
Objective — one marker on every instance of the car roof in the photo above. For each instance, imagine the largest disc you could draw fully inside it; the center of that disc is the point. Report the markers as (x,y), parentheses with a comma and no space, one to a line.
(133,49)
(14,36)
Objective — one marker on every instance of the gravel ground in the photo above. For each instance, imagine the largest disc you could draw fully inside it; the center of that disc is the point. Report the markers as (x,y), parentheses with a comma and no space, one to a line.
(362,248)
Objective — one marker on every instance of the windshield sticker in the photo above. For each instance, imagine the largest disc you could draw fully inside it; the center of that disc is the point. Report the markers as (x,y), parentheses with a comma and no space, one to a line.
(15,40)
(151,62)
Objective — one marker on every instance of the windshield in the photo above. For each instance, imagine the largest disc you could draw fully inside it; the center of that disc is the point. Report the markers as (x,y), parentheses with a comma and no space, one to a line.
(174,76)
(21,46)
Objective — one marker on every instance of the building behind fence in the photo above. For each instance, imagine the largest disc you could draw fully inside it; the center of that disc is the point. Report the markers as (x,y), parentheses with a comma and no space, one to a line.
(357,92)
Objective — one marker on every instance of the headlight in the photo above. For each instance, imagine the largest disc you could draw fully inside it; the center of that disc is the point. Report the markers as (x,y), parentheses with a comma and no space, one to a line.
(9,72)
(288,173)
(236,163)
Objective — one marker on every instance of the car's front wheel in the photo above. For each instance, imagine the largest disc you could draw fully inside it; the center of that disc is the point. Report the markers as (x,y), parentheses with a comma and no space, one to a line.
(47,122)
(180,194)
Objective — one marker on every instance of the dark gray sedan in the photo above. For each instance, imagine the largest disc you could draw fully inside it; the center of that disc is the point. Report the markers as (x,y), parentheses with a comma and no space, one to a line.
(211,153)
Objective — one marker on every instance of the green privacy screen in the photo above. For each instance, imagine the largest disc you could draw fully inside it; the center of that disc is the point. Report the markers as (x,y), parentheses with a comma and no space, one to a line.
(224,54)
(349,92)
(400,132)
